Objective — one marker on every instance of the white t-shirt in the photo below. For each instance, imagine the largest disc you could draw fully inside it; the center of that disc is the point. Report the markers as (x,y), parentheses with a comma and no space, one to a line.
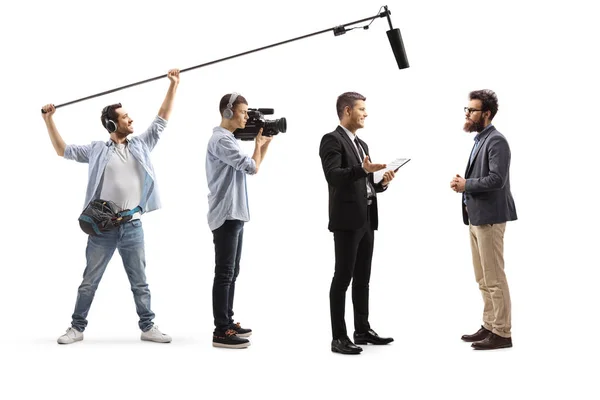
(123,179)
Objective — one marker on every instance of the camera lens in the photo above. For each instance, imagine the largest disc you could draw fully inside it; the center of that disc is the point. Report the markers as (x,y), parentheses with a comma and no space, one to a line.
(280,125)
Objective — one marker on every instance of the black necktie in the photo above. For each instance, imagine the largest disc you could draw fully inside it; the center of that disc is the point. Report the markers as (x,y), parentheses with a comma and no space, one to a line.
(360,151)
(362,157)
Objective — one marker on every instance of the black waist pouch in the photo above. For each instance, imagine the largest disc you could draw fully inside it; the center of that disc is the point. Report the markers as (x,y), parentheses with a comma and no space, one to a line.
(102,216)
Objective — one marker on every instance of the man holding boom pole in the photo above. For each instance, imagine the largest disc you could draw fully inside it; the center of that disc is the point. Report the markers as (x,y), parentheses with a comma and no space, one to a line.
(120,171)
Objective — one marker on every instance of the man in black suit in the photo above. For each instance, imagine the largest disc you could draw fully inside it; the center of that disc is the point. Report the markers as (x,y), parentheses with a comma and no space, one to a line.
(487,205)
(352,219)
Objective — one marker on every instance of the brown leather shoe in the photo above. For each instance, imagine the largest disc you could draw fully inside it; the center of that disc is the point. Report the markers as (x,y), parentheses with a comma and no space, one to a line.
(492,342)
(477,336)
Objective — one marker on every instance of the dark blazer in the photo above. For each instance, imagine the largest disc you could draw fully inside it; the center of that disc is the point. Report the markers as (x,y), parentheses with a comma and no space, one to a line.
(487,189)
(347,182)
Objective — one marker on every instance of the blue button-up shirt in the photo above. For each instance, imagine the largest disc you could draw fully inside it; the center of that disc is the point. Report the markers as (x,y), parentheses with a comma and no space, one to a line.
(226,169)
(97,155)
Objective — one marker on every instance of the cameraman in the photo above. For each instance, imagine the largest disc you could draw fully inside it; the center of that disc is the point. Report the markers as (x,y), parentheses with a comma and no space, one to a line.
(226,169)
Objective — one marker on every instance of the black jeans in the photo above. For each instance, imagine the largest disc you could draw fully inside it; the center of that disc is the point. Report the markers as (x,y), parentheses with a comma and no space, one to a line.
(353,254)
(228,251)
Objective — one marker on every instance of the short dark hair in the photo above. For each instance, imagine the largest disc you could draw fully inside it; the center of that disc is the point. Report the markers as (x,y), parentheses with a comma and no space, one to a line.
(109,113)
(489,100)
(347,100)
(225,100)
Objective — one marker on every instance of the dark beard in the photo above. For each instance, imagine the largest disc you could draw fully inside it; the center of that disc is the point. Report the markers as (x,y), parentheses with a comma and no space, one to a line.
(471,126)
(121,135)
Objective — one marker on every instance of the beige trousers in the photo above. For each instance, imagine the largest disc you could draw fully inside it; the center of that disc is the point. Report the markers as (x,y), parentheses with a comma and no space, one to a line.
(487,248)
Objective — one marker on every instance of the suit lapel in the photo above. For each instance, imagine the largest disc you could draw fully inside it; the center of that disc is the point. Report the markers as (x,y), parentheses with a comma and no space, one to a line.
(481,142)
(364,147)
(345,137)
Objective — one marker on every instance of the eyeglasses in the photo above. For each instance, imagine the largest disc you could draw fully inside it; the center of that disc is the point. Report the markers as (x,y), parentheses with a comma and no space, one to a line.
(470,110)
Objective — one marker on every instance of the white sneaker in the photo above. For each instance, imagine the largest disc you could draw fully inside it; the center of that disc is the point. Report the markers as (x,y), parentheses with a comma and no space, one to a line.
(71,336)
(155,335)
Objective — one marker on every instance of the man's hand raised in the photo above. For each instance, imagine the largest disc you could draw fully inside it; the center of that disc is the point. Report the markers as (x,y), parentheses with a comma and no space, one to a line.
(48,110)
(173,75)
(370,167)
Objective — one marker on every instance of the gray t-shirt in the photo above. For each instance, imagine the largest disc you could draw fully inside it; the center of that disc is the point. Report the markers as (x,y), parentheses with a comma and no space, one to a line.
(123,179)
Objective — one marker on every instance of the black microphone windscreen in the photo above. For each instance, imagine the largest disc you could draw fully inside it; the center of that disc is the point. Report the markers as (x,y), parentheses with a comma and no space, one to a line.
(398,48)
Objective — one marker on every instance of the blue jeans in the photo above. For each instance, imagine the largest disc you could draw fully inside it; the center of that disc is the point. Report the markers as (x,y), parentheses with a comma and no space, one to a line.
(228,251)
(129,239)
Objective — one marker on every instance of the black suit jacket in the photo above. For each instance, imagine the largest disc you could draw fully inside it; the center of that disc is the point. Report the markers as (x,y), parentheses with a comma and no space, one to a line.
(347,182)
(487,190)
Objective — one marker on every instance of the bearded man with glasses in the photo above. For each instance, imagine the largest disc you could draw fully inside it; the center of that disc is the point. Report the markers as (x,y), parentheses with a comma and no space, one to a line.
(487,204)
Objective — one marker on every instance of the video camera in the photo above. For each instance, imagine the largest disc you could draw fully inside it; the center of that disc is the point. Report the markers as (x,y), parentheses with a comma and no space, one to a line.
(256,120)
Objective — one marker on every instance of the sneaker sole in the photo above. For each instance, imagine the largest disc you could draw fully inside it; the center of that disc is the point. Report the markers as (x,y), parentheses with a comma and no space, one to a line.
(155,341)
(244,335)
(71,342)
(231,346)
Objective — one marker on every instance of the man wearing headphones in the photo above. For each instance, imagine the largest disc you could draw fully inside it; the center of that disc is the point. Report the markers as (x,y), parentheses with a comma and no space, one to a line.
(120,170)
(226,170)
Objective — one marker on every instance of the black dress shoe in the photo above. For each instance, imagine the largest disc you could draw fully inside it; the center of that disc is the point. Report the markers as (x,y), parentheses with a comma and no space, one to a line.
(477,336)
(492,342)
(344,346)
(370,337)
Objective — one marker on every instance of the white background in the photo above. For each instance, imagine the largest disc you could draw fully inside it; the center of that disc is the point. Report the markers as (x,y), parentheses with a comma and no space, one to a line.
(539,57)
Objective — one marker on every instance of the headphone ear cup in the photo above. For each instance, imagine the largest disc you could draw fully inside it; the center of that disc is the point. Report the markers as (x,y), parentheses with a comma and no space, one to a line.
(228,112)
(111,126)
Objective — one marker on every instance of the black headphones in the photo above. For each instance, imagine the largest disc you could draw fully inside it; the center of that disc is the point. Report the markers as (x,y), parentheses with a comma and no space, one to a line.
(228,112)
(109,124)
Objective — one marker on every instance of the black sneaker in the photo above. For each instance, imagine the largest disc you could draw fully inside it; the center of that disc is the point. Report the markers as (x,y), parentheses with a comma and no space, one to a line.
(229,340)
(241,332)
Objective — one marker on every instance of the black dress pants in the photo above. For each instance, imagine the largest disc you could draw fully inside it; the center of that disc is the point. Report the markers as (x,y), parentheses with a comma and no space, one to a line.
(353,254)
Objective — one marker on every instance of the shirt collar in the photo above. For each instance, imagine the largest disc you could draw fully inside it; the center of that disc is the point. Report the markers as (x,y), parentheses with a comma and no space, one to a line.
(110,142)
(478,137)
(222,130)
(351,135)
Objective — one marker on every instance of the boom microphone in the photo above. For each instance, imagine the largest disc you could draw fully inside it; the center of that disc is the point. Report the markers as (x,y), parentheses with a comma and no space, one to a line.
(396,42)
